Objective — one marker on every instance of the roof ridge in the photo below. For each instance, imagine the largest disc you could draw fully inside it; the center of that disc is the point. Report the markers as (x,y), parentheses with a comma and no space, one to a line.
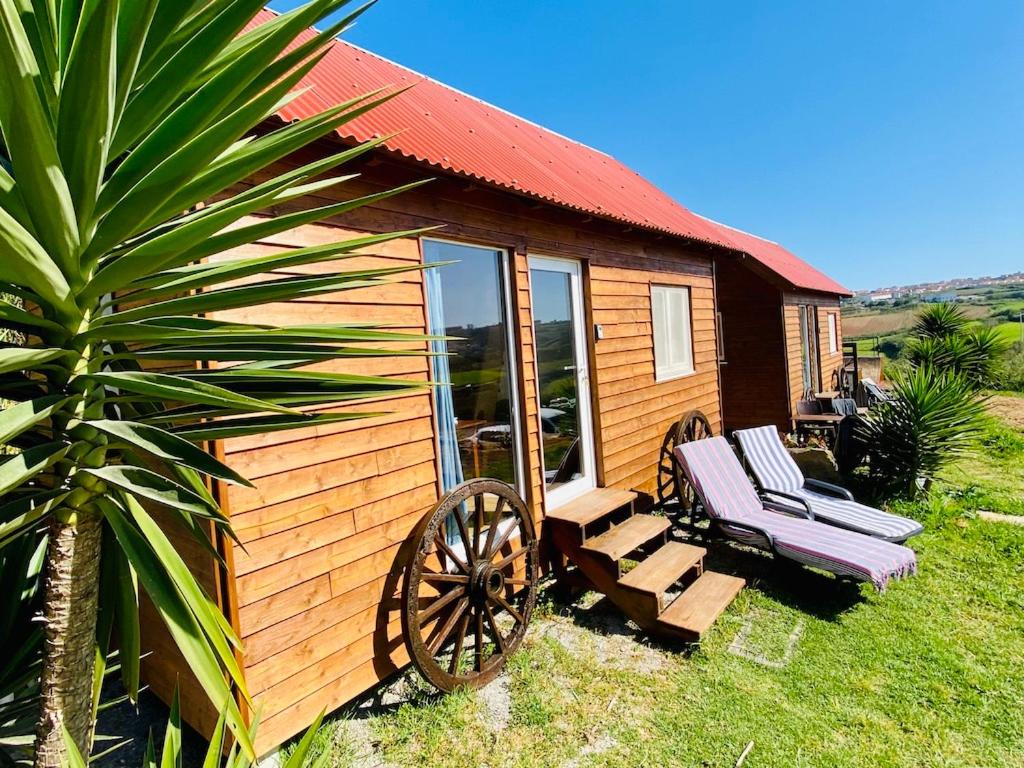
(736,229)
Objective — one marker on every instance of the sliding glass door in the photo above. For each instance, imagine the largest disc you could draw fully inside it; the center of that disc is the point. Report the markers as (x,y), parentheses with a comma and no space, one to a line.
(560,345)
(477,415)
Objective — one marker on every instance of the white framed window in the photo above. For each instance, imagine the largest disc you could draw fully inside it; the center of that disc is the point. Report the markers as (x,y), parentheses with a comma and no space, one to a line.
(673,336)
(833,333)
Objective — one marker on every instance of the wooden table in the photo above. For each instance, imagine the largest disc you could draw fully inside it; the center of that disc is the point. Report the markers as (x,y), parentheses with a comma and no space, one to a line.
(827,423)
(824,419)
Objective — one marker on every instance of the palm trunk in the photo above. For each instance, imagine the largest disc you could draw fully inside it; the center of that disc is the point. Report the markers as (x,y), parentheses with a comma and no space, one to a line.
(69,613)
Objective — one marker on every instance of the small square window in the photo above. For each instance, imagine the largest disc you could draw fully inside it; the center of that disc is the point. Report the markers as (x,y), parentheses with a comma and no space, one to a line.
(673,339)
(833,333)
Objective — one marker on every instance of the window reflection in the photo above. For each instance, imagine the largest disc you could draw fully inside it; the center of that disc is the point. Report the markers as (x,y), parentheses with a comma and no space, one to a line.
(556,365)
(474,310)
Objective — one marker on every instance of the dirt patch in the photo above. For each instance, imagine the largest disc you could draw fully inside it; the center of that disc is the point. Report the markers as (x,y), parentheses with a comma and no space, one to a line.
(877,324)
(996,517)
(496,704)
(601,744)
(360,749)
(1009,409)
(594,629)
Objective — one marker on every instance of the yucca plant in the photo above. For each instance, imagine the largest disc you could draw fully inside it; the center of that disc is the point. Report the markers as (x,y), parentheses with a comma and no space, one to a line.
(125,141)
(975,352)
(937,321)
(219,754)
(930,419)
(21,566)
(989,346)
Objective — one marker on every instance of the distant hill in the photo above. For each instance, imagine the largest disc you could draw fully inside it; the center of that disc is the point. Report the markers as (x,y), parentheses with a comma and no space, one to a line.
(891,292)
(880,321)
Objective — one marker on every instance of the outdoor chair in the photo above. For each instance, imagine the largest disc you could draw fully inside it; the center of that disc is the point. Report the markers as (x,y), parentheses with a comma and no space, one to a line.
(732,504)
(809,407)
(873,394)
(811,418)
(781,480)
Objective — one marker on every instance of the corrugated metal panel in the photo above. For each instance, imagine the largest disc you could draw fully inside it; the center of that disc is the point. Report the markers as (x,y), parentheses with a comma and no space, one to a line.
(789,267)
(447,129)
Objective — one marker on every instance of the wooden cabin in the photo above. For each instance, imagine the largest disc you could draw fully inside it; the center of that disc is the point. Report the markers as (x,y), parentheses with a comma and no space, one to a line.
(781,332)
(584,298)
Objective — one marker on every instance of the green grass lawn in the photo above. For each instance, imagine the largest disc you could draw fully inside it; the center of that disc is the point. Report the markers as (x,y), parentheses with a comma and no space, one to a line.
(930,673)
(991,477)
(1011,331)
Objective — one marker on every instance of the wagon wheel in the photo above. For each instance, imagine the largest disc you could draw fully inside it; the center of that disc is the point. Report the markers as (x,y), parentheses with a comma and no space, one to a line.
(471,587)
(672,483)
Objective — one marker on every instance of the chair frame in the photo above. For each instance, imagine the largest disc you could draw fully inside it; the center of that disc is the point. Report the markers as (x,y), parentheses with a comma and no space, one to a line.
(836,491)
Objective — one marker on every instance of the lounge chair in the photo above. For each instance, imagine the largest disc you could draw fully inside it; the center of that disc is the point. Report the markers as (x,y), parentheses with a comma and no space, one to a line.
(781,479)
(732,503)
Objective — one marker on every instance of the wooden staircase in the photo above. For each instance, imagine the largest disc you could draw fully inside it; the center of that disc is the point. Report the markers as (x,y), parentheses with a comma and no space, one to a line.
(599,533)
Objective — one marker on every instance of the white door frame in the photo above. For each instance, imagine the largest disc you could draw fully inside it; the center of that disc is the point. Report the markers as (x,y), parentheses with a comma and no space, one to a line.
(588,462)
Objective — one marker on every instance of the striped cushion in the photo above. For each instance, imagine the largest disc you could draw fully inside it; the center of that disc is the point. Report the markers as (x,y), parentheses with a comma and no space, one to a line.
(769,460)
(855,516)
(843,553)
(719,478)
(775,470)
(727,493)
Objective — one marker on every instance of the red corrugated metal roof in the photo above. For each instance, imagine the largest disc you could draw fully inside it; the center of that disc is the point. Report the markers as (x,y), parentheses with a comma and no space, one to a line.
(448,129)
(786,265)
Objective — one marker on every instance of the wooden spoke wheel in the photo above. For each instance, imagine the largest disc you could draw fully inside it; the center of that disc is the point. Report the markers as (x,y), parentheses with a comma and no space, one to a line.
(672,483)
(471,586)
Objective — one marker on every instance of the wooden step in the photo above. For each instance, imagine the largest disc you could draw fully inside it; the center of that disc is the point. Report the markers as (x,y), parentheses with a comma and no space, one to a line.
(592,506)
(628,536)
(663,569)
(692,613)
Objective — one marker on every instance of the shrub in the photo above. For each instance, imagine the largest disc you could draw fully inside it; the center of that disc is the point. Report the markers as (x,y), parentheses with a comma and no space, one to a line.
(931,418)
(945,343)
(1011,371)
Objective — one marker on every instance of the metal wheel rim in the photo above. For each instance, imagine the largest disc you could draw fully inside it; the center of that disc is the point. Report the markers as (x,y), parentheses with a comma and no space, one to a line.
(476,593)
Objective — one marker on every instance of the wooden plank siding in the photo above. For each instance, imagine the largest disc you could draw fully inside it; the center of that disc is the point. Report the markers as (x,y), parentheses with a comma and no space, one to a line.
(762,373)
(163,668)
(523,311)
(794,355)
(332,505)
(826,363)
(323,532)
(633,411)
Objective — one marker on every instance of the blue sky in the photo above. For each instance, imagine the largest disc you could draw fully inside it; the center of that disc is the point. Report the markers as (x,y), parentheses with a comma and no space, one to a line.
(883,142)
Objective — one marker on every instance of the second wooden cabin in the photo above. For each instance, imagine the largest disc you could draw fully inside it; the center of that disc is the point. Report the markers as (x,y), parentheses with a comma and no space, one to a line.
(585,302)
(781,333)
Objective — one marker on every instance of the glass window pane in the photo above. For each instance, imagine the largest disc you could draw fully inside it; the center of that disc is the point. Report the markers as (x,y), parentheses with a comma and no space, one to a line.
(475,312)
(673,343)
(555,339)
